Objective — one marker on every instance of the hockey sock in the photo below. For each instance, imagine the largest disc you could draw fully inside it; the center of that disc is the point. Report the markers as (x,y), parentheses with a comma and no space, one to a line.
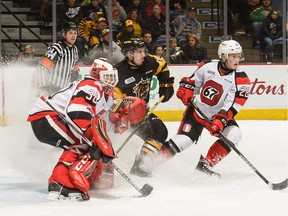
(217,152)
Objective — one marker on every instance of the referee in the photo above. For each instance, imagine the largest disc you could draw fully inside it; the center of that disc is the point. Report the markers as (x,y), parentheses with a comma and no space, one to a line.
(59,66)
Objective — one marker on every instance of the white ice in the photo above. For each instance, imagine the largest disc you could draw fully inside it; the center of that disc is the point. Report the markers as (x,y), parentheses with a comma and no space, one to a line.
(178,189)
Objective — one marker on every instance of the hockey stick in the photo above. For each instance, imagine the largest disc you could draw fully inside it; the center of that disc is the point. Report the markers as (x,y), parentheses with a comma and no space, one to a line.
(274,186)
(140,123)
(145,190)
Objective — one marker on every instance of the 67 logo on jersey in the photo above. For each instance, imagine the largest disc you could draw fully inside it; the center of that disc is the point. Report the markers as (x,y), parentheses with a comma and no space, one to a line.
(211,93)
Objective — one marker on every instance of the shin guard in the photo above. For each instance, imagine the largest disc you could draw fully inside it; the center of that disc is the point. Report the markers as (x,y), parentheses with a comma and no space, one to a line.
(217,152)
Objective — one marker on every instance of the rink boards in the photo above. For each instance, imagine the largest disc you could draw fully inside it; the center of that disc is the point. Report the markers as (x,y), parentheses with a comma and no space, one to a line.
(268,97)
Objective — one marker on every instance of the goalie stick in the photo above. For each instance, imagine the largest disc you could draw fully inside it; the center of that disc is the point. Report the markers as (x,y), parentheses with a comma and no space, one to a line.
(145,190)
(274,186)
(140,123)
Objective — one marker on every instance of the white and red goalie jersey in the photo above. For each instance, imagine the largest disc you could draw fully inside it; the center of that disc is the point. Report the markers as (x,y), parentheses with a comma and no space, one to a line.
(79,102)
(216,91)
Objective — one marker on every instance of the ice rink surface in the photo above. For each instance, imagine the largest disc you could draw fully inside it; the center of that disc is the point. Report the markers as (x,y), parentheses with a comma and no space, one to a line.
(179,190)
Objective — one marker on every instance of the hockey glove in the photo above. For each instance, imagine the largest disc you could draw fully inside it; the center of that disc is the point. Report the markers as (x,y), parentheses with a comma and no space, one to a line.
(127,111)
(219,121)
(122,124)
(166,88)
(185,91)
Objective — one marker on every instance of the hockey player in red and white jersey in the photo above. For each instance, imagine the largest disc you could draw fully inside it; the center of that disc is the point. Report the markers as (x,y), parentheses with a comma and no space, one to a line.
(220,90)
(87,105)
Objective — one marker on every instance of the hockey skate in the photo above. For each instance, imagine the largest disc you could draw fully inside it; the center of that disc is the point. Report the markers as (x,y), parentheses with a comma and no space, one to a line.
(138,168)
(204,166)
(60,192)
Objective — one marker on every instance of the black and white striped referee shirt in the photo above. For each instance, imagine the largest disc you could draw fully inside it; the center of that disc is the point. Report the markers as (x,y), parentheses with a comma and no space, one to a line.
(61,61)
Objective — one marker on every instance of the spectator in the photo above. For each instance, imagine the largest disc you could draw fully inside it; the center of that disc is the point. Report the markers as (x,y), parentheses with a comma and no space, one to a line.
(27,55)
(157,25)
(150,6)
(177,8)
(272,31)
(126,32)
(157,50)
(118,16)
(86,26)
(194,52)
(175,52)
(103,50)
(70,11)
(186,25)
(139,5)
(148,41)
(138,24)
(96,34)
(278,47)
(43,12)
(43,7)
(242,9)
(94,5)
(257,16)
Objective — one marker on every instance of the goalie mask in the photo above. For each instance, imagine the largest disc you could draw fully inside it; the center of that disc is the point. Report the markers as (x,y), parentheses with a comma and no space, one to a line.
(104,72)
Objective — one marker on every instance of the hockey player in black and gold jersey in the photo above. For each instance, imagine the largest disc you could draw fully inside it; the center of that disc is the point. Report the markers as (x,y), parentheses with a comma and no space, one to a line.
(135,74)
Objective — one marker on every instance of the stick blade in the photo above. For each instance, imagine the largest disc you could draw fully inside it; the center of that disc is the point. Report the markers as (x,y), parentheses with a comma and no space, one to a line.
(279,186)
(146,190)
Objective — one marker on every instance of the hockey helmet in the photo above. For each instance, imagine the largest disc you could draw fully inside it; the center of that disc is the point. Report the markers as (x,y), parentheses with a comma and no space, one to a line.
(103,71)
(230,47)
(132,44)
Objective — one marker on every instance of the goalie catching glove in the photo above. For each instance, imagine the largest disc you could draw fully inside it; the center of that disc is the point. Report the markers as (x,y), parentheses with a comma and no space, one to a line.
(127,111)
(166,88)
(185,91)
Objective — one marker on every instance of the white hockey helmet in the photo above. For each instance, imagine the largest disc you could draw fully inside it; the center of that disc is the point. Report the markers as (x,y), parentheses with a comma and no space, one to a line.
(230,47)
(103,71)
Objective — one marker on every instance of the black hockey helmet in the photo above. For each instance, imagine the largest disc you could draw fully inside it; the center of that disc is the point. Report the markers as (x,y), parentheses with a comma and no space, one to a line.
(132,44)
(69,26)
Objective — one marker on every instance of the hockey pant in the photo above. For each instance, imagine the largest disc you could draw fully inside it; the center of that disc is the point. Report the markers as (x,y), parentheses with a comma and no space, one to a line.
(191,128)
(54,131)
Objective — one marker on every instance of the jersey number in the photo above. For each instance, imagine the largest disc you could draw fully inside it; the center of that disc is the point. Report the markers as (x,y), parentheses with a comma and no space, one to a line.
(211,93)
(92,96)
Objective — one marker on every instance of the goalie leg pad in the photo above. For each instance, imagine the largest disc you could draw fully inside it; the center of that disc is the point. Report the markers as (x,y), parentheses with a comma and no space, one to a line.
(101,138)
(83,167)
(105,176)
(60,172)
